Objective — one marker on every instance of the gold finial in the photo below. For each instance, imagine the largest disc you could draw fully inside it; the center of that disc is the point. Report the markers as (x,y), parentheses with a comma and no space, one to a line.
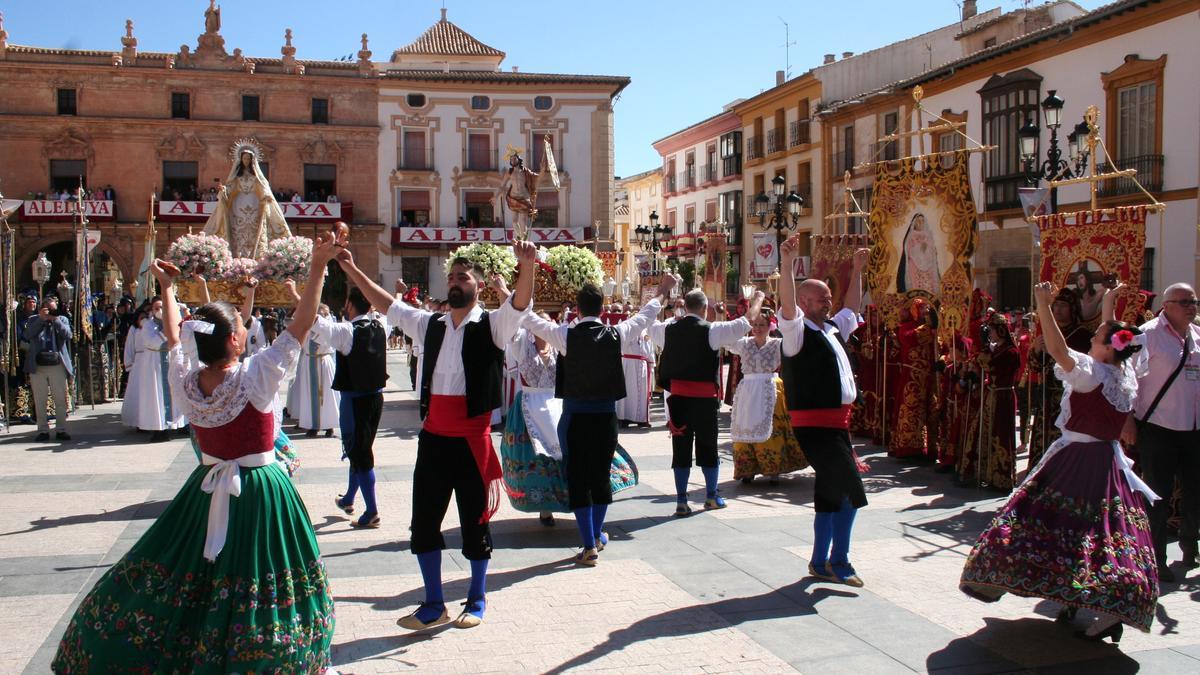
(918,93)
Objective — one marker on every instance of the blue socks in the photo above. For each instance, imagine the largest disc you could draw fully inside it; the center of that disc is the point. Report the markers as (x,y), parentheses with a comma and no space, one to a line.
(843,523)
(431,574)
(822,538)
(583,519)
(475,594)
(710,481)
(598,513)
(366,481)
(681,483)
(351,489)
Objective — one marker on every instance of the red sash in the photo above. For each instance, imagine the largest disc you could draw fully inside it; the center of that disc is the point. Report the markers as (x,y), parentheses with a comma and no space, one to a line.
(693,389)
(448,417)
(825,418)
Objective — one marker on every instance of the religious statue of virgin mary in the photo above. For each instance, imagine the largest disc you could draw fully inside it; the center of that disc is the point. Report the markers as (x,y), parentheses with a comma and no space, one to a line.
(247,215)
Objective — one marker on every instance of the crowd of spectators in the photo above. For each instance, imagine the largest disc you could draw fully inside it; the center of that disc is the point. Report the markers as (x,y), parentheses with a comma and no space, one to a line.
(62,195)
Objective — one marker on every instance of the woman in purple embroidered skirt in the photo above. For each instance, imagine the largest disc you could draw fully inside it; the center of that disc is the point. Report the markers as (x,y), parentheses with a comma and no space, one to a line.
(1075,531)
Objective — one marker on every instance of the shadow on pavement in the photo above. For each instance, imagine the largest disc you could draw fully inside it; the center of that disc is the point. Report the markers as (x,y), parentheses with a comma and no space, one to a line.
(1030,636)
(142,511)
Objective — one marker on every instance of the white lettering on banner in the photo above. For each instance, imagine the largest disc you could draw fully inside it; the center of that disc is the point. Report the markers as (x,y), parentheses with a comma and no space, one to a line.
(46,207)
(494,235)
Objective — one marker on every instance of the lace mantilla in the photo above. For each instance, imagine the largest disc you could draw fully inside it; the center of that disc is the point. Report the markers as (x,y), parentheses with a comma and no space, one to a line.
(227,401)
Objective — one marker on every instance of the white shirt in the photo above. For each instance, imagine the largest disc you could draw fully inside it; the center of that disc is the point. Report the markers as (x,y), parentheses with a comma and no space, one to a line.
(845,322)
(720,333)
(256,337)
(1179,408)
(340,334)
(449,377)
(556,334)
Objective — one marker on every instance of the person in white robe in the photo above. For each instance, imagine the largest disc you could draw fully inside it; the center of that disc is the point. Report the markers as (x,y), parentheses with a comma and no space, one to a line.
(154,411)
(132,356)
(637,360)
(312,398)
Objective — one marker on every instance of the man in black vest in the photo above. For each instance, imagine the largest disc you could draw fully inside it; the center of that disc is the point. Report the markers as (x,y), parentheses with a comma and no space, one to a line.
(461,365)
(360,374)
(590,381)
(688,371)
(819,387)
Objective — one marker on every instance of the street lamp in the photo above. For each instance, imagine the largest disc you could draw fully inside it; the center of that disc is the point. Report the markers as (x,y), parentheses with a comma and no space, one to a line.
(1054,167)
(785,215)
(66,292)
(610,287)
(648,238)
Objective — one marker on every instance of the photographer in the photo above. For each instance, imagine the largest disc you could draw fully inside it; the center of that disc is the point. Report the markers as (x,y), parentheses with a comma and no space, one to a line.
(48,365)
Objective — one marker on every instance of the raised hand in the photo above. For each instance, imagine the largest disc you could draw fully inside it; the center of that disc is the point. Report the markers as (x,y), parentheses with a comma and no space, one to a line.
(325,248)
(860,258)
(1043,293)
(164,271)
(498,284)
(400,286)
(665,285)
(525,251)
(344,258)
(789,249)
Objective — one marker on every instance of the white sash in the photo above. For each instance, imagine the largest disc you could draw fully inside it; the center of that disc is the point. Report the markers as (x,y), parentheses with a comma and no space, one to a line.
(223,481)
(1123,462)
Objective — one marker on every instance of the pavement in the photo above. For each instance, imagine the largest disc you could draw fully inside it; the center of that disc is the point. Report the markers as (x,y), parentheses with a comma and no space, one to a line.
(721,591)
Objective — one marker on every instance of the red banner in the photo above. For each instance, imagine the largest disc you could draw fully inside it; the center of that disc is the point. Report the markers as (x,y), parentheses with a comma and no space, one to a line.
(300,212)
(44,209)
(433,236)
(833,261)
(1080,249)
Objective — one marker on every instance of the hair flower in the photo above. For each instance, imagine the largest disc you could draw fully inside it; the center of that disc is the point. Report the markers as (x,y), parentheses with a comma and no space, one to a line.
(1121,339)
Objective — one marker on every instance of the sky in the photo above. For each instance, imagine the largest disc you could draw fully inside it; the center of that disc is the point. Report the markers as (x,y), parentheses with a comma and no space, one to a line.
(687,59)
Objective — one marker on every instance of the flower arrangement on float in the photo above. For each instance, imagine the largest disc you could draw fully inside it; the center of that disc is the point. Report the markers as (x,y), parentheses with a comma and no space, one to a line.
(240,268)
(285,258)
(574,266)
(200,254)
(492,259)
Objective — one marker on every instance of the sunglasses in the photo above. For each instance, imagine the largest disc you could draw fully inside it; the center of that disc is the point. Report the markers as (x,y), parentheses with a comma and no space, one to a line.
(1190,302)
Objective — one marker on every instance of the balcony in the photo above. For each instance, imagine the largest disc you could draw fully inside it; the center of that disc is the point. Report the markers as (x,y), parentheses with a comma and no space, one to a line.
(754,148)
(669,184)
(842,162)
(731,166)
(709,174)
(1149,174)
(416,159)
(774,141)
(481,160)
(687,179)
(799,133)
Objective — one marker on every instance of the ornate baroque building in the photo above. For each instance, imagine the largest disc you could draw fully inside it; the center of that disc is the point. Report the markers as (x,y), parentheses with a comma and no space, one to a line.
(142,123)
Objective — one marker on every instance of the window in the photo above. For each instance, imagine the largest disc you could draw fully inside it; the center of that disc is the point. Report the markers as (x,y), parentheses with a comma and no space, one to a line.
(710,211)
(480,103)
(547,206)
(265,168)
(66,102)
(250,108)
(1012,288)
(710,164)
(1137,119)
(179,181)
(415,100)
(415,270)
(478,209)
(414,208)
(1007,101)
(181,105)
(320,181)
(990,42)
(730,205)
(949,142)
(479,153)
(889,150)
(1147,280)
(859,225)
(414,155)
(730,147)
(843,160)
(320,111)
(66,174)
(689,218)
(537,148)
(542,103)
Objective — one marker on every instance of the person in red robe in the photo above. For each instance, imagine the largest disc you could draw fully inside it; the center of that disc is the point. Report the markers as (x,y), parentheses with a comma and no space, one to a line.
(1047,389)
(991,461)
(914,432)
(864,421)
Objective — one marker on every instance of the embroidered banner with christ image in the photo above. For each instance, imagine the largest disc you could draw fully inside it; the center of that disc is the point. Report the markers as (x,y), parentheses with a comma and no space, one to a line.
(833,262)
(1080,250)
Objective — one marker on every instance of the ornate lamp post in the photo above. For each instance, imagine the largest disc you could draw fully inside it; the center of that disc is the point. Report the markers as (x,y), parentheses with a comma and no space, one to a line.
(784,216)
(648,238)
(41,272)
(1055,167)
(610,287)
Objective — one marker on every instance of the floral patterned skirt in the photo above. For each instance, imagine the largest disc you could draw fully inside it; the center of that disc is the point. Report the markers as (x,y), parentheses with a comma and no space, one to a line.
(1074,533)
(778,454)
(537,482)
(263,606)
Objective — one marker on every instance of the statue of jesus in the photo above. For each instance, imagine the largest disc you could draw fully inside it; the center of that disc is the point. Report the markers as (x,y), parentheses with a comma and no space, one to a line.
(247,215)
(518,191)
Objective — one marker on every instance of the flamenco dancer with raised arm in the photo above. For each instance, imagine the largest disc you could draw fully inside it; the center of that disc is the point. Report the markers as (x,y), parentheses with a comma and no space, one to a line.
(229,578)
(819,387)
(462,372)
(590,381)
(1076,531)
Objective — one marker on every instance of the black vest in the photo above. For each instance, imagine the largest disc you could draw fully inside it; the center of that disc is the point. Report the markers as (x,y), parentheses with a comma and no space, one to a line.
(811,380)
(591,369)
(686,354)
(483,365)
(365,367)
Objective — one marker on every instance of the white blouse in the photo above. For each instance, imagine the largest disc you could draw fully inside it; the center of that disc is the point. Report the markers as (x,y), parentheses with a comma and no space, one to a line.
(254,380)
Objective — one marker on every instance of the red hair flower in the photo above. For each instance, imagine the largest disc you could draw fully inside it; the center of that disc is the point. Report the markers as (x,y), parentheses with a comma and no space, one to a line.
(1121,339)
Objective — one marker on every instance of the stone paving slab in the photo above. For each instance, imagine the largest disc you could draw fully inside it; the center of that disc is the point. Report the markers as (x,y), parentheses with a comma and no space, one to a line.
(25,623)
(59,523)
